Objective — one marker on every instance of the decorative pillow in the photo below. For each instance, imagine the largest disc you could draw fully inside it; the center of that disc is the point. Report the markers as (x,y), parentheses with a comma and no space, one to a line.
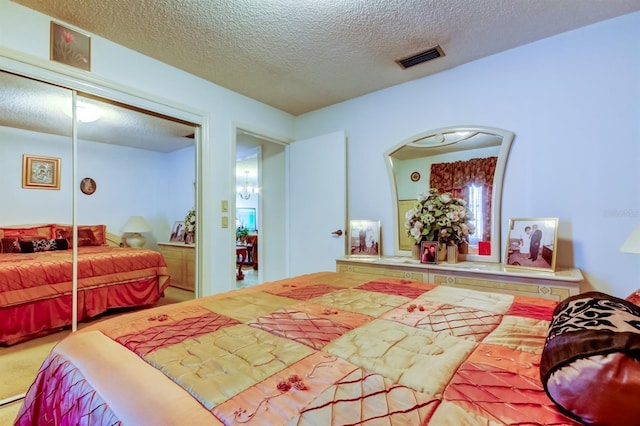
(88,235)
(43,231)
(634,297)
(590,364)
(9,245)
(99,233)
(43,245)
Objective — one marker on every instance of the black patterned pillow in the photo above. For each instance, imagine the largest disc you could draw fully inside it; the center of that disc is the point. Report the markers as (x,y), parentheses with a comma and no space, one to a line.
(43,245)
(590,365)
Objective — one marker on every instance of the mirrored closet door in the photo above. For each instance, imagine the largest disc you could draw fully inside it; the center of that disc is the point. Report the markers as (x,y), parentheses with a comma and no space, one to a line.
(116,172)
(36,130)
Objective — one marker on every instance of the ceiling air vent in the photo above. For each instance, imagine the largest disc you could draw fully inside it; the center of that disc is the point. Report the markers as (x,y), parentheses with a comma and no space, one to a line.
(421,57)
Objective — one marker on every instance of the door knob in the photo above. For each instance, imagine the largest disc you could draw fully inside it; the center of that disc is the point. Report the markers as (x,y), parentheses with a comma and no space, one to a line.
(338,232)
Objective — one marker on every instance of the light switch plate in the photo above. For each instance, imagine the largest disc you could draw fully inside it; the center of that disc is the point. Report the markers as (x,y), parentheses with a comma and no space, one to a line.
(225,221)
(224,206)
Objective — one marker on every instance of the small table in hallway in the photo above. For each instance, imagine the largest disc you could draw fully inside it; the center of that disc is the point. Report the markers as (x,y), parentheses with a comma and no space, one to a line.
(241,254)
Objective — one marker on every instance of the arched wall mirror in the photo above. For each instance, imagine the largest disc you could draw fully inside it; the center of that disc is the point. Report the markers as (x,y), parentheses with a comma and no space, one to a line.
(466,161)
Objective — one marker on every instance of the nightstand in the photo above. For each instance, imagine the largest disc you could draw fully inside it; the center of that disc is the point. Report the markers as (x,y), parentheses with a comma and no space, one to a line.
(181,261)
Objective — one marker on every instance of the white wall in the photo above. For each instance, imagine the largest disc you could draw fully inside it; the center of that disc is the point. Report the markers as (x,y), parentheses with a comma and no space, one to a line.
(178,194)
(573,102)
(27,32)
(129,182)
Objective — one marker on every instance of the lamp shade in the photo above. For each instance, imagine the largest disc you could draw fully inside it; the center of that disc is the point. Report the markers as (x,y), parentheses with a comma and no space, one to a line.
(136,224)
(632,244)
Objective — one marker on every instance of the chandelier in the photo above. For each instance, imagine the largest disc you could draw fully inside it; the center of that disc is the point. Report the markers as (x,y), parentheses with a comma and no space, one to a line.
(247,190)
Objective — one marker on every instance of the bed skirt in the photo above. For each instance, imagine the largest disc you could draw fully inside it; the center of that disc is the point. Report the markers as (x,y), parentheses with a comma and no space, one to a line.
(44,316)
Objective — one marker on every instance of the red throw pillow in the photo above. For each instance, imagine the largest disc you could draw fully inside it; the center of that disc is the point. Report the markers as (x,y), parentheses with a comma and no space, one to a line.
(9,245)
(44,231)
(634,297)
(88,235)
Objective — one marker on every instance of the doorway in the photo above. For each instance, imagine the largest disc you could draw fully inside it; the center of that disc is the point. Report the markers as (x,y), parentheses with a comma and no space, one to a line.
(260,203)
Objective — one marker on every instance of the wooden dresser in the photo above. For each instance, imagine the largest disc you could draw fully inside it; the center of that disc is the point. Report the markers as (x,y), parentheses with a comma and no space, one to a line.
(472,275)
(181,261)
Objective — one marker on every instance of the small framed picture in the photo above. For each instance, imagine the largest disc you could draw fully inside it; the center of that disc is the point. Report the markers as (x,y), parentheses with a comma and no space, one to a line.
(532,243)
(40,172)
(70,47)
(177,233)
(364,238)
(88,186)
(429,252)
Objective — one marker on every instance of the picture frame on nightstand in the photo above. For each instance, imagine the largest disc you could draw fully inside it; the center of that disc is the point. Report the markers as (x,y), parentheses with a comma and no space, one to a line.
(177,232)
(532,243)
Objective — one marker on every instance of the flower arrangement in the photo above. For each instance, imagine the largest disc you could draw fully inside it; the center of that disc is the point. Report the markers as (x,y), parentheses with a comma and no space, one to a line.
(439,217)
(190,224)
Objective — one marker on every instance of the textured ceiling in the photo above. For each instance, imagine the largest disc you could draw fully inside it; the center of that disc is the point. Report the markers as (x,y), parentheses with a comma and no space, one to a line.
(39,107)
(301,55)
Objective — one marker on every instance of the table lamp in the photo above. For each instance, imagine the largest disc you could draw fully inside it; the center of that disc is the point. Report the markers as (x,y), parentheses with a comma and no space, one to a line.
(133,228)
(632,243)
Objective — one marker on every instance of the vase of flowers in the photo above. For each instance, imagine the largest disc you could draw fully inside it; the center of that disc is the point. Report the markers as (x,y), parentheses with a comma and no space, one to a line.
(190,227)
(241,234)
(439,217)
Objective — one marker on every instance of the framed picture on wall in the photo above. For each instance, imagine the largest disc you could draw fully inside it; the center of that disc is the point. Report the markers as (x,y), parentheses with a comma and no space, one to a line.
(532,243)
(364,238)
(246,218)
(40,172)
(70,47)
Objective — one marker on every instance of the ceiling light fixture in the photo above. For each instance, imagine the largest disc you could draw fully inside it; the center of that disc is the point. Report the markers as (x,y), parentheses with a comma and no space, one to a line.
(84,112)
(247,190)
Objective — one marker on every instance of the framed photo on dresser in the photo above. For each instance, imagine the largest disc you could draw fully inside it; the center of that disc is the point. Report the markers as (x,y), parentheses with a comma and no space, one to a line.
(364,238)
(429,252)
(532,243)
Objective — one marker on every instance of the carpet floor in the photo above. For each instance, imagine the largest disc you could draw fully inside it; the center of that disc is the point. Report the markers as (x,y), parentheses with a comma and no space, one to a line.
(20,363)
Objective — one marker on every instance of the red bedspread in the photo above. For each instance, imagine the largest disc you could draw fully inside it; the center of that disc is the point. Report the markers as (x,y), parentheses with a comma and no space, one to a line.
(36,288)
(321,349)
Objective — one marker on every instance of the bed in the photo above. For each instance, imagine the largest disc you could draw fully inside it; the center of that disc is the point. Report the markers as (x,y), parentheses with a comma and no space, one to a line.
(36,278)
(319,349)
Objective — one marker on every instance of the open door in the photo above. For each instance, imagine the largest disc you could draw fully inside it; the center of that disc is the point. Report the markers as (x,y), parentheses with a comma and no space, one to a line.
(317,203)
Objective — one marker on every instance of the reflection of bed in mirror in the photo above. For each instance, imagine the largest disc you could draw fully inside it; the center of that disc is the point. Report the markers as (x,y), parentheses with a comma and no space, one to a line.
(466,161)
(36,278)
(37,118)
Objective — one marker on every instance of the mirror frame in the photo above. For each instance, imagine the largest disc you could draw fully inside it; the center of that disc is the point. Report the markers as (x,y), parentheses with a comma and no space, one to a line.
(496,198)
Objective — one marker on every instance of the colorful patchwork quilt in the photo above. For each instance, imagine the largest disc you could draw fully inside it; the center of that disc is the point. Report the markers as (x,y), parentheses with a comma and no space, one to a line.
(320,349)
